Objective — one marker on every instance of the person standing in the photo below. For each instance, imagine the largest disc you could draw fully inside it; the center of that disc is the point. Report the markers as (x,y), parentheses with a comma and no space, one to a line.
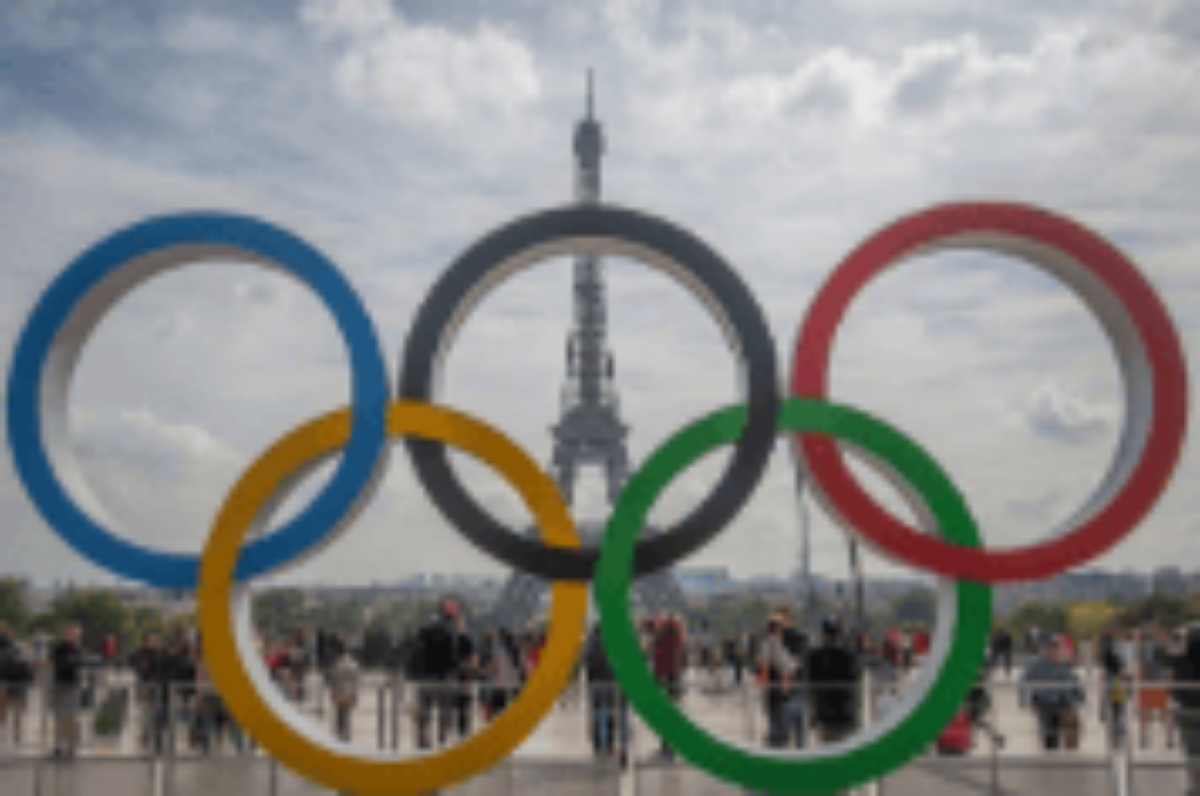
(782,688)
(891,655)
(466,672)
(834,673)
(1002,650)
(669,651)
(1152,693)
(1055,693)
(300,663)
(181,690)
(1115,694)
(733,658)
(796,709)
(609,711)
(776,666)
(16,676)
(343,688)
(151,669)
(906,649)
(8,649)
(440,658)
(67,663)
(1184,667)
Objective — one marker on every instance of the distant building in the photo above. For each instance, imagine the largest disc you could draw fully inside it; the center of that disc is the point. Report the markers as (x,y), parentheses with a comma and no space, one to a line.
(705,580)
(1170,580)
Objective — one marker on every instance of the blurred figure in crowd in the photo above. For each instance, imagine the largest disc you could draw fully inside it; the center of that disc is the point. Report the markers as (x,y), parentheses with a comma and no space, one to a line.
(669,645)
(343,677)
(609,712)
(834,674)
(67,664)
(1051,686)
(442,655)
(1184,665)
(1115,690)
(1002,650)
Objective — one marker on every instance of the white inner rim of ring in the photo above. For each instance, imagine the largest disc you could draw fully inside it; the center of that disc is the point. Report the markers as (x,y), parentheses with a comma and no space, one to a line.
(1127,345)
(578,247)
(58,371)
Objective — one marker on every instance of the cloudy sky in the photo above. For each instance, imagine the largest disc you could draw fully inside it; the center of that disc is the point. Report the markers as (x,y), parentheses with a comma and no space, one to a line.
(391,135)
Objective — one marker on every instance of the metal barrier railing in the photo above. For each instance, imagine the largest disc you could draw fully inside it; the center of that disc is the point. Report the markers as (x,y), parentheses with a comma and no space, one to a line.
(165,727)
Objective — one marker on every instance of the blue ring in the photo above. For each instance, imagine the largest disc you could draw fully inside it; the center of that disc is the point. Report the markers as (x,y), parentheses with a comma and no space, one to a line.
(370,396)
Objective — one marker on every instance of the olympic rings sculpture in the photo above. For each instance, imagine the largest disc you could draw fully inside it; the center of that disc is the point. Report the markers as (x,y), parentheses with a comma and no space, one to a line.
(1146,343)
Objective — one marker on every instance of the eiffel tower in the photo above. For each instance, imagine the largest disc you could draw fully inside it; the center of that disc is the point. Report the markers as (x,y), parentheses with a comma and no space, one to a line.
(590,431)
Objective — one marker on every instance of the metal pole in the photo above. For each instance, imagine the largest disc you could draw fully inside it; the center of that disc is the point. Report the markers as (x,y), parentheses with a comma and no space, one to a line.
(995,761)
(868,686)
(382,723)
(1137,713)
(859,597)
(397,705)
(45,695)
(805,540)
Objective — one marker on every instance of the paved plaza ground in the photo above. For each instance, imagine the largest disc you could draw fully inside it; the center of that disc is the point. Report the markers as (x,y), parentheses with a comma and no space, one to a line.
(557,758)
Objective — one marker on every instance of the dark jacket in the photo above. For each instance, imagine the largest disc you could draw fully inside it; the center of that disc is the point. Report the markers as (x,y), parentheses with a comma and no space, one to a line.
(834,673)
(596,665)
(1185,670)
(16,673)
(67,662)
(152,668)
(441,652)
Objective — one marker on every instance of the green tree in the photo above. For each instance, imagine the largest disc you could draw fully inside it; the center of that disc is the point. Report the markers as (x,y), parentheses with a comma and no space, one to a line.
(1154,609)
(739,614)
(279,612)
(399,616)
(14,610)
(340,616)
(144,620)
(1047,617)
(98,613)
(1089,619)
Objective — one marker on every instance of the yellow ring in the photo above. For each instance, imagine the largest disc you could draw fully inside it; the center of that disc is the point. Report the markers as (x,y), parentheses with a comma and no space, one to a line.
(331,764)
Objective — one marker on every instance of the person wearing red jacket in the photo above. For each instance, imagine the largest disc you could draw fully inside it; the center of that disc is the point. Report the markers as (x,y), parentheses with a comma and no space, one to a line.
(668,648)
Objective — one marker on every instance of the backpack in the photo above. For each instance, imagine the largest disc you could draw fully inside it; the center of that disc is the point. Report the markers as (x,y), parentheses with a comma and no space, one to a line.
(956,738)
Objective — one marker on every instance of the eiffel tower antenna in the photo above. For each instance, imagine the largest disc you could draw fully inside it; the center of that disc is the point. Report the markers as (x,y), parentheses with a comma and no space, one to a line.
(591,95)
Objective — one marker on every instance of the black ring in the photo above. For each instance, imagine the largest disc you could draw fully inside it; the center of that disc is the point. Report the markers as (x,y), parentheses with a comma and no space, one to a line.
(564,232)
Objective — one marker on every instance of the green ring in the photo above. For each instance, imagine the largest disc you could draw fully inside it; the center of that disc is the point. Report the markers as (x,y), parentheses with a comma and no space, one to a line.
(849,764)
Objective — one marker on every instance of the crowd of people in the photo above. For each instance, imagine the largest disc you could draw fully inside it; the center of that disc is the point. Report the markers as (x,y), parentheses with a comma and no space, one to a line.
(1150,672)
(810,682)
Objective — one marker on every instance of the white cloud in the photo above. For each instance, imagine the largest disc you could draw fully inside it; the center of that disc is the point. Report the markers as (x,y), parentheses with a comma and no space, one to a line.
(426,74)
(184,439)
(141,439)
(1058,415)
(353,17)
(393,140)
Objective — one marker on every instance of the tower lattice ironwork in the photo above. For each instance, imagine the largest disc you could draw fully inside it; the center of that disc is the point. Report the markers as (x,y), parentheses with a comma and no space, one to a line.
(590,431)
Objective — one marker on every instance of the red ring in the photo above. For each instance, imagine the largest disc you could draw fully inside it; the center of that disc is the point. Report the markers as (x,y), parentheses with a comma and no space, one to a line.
(1159,338)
